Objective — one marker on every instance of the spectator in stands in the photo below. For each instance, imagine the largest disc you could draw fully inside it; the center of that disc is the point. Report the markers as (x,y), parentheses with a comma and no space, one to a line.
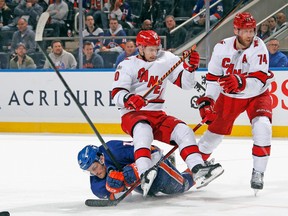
(216,12)
(6,18)
(175,39)
(151,10)
(272,25)
(146,25)
(129,50)
(276,58)
(21,60)
(116,45)
(43,4)
(6,15)
(99,14)
(60,57)
(91,59)
(121,11)
(58,13)
(281,20)
(92,31)
(23,35)
(30,10)
(263,30)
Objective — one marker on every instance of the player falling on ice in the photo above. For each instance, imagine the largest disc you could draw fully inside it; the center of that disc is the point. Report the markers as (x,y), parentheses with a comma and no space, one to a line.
(108,182)
(144,118)
(238,80)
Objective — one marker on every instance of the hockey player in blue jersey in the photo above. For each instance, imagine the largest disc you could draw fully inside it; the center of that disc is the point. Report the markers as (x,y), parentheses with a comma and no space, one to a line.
(107,182)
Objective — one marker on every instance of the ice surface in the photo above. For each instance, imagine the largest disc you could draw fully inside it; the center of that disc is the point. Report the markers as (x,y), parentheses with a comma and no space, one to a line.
(40,176)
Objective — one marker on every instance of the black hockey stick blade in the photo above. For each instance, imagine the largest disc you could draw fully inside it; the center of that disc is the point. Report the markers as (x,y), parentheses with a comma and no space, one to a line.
(105,202)
(101,202)
(4,213)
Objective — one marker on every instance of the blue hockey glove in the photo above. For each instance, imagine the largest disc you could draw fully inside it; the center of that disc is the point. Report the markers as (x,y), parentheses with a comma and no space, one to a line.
(130,174)
(115,182)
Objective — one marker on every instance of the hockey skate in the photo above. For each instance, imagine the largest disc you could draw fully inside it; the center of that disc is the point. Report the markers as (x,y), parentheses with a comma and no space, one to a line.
(257,181)
(211,162)
(147,179)
(204,174)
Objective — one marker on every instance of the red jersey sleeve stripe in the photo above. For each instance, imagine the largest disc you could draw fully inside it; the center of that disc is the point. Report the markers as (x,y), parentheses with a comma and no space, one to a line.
(211,77)
(259,75)
(116,90)
(178,81)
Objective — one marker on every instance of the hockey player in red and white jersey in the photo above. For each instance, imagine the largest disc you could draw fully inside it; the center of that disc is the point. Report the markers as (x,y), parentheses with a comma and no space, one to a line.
(238,81)
(144,118)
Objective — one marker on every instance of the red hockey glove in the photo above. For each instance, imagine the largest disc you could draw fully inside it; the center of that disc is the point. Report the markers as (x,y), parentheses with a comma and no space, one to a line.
(133,101)
(206,108)
(115,182)
(130,174)
(192,62)
(233,83)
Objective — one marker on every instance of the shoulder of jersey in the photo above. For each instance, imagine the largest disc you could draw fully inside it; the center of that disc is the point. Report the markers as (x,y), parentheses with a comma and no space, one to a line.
(226,41)
(165,54)
(127,61)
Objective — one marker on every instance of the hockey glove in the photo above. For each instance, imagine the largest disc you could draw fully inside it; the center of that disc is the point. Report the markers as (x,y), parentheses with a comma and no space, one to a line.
(233,83)
(133,101)
(192,62)
(130,174)
(206,108)
(115,182)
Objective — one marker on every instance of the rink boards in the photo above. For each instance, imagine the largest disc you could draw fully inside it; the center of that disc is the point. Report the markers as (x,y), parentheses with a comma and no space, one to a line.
(37,101)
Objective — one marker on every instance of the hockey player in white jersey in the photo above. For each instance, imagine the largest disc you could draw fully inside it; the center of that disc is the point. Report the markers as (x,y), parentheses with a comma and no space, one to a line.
(238,81)
(144,118)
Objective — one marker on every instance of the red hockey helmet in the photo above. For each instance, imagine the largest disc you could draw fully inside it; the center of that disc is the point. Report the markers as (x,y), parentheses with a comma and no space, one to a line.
(244,20)
(148,38)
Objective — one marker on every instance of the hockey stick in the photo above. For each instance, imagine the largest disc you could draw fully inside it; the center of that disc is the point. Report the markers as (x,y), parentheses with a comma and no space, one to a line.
(186,54)
(105,202)
(39,37)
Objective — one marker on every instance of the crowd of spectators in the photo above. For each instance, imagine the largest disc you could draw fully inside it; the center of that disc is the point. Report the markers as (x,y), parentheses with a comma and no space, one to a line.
(108,18)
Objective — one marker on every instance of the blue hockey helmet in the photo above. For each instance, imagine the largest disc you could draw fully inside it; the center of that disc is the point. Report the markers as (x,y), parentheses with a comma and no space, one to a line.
(88,155)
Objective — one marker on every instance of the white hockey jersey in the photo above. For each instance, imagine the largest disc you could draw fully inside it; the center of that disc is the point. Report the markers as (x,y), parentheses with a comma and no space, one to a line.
(136,76)
(253,62)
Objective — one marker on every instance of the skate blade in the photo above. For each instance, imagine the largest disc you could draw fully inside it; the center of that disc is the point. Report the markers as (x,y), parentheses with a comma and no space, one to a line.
(256,192)
(214,174)
(146,187)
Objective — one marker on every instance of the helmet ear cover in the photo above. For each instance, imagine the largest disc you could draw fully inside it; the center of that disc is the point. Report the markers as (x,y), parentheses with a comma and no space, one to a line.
(88,155)
(244,21)
(148,38)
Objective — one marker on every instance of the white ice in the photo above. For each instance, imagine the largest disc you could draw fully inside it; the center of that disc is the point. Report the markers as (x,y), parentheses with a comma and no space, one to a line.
(39,176)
